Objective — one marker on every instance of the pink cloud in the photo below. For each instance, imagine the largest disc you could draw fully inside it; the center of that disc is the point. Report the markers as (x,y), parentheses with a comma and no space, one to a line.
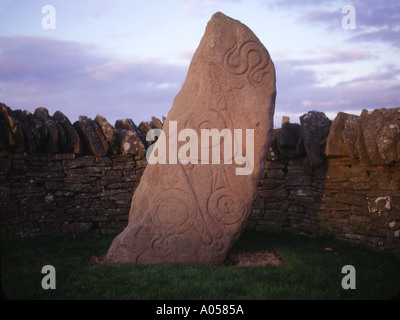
(73,78)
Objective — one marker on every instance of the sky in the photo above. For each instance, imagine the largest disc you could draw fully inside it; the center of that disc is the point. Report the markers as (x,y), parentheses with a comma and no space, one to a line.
(128,59)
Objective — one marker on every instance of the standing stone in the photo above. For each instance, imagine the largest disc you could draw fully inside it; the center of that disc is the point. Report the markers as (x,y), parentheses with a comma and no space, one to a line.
(193,213)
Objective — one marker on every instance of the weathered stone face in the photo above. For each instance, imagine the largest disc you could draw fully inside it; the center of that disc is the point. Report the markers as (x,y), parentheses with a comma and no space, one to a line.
(335,146)
(73,143)
(373,137)
(287,139)
(193,213)
(12,135)
(314,131)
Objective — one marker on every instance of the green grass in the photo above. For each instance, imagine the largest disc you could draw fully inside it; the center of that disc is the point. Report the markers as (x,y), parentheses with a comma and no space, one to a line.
(309,272)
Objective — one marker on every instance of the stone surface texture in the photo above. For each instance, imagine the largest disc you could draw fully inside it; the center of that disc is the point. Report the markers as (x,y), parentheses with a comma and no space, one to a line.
(314,131)
(373,137)
(192,214)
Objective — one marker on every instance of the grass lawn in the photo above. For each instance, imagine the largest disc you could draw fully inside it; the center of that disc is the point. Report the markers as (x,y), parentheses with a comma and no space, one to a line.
(309,272)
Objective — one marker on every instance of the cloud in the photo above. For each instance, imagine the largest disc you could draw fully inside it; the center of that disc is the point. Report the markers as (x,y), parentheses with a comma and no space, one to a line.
(75,79)
(299,91)
(332,19)
(199,8)
(375,20)
(389,73)
(203,8)
(333,56)
(4,4)
(383,35)
(100,11)
(295,4)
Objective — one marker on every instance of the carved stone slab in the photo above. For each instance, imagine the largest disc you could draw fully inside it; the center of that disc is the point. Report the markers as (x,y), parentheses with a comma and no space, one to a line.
(193,213)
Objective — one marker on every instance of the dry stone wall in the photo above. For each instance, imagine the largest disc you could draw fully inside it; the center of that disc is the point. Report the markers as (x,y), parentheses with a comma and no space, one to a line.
(345,183)
(343,198)
(351,194)
(42,195)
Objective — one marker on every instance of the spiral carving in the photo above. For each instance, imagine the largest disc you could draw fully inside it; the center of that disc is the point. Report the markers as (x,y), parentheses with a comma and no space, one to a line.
(226,206)
(237,61)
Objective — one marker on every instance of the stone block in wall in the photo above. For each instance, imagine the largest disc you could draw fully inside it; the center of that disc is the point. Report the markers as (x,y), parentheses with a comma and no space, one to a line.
(354,236)
(275,165)
(129,142)
(275,174)
(396,204)
(128,124)
(276,205)
(272,183)
(273,195)
(56,137)
(73,142)
(359,210)
(381,133)
(335,146)
(386,179)
(32,136)
(296,208)
(359,219)
(80,162)
(340,214)
(334,205)
(388,141)
(273,152)
(93,139)
(11,131)
(377,205)
(157,123)
(314,130)
(298,180)
(350,135)
(347,173)
(66,156)
(259,203)
(352,199)
(108,132)
(374,136)
(364,186)
(287,140)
